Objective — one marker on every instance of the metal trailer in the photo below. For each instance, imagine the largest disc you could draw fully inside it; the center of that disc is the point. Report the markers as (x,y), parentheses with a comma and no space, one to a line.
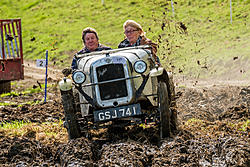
(11,53)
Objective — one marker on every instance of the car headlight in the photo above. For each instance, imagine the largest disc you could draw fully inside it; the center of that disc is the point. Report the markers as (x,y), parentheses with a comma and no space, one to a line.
(140,66)
(78,77)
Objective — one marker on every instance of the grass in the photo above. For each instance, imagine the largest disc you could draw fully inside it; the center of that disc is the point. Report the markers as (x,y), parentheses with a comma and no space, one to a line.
(21,104)
(238,127)
(46,132)
(13,125)
(210,46)
(25,92)
(245,126)
(207,47)
(8,104)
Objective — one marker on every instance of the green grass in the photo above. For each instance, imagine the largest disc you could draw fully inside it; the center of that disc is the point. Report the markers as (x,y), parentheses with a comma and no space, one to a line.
(25,92)
(245,126)
(7,103)
(207,48)
(13,125)
(46,132)
(207,127)
(21,104)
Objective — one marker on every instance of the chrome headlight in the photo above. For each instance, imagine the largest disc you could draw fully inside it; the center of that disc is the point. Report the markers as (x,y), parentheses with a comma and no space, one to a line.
(140,66)
(78,77)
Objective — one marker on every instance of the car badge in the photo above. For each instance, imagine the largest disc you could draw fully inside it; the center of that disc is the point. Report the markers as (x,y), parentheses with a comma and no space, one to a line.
(108,60)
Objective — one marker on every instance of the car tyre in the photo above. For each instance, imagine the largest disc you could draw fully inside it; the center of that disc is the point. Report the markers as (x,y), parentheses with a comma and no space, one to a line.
(163,106)
(70,114)
(84,122)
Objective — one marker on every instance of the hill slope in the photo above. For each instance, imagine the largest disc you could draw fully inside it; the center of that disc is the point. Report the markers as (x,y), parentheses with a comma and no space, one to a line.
(197,41)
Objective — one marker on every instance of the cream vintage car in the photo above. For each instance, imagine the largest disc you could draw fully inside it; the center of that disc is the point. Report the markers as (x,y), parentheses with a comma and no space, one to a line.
(121,86)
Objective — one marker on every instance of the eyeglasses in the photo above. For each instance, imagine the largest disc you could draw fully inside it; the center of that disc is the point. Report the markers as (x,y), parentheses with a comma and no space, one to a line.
(128,32)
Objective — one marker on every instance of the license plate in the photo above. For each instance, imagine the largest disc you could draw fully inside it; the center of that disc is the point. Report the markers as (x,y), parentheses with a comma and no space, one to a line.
(118,112)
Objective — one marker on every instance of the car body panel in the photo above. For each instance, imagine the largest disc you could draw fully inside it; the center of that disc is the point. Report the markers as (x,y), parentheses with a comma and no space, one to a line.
(89,63)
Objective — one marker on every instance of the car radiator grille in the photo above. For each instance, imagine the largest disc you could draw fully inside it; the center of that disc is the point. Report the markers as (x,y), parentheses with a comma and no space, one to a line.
(115,89)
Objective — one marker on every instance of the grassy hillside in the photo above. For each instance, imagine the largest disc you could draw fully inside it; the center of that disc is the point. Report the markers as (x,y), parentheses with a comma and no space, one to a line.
(198,41)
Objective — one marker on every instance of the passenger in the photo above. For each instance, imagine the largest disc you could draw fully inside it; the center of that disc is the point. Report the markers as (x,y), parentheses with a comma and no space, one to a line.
(91,42)
(135,36)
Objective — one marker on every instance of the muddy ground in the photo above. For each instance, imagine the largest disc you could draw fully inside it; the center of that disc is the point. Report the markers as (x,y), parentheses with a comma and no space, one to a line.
(213,130)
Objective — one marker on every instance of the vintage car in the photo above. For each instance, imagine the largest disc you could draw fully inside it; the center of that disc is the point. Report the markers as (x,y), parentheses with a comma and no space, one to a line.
(122,86)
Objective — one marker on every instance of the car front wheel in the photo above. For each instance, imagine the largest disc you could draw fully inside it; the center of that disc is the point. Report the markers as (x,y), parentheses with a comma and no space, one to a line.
(163,106)
(70,114)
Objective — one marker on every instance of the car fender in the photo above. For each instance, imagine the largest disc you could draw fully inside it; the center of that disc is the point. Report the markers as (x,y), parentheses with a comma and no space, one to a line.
(156,72)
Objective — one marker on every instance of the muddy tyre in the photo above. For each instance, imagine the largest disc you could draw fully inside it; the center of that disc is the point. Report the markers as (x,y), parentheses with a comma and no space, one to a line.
(70,114)
(84,122)
(5,86)
(163,105)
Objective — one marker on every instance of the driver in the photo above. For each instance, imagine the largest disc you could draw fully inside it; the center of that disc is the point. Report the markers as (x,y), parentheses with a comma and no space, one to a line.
(91,42)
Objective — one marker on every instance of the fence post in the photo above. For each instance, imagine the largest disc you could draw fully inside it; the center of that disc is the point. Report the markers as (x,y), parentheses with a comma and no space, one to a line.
(172,5)
(231,17)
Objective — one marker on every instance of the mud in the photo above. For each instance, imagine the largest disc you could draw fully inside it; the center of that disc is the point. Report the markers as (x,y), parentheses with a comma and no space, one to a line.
(213,130)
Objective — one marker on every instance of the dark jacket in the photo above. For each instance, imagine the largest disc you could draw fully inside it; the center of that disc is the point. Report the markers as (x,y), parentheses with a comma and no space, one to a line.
(85,50)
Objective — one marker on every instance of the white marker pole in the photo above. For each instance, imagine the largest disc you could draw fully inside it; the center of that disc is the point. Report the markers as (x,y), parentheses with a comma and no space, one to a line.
(231,11)
(172,4)
(102,2)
